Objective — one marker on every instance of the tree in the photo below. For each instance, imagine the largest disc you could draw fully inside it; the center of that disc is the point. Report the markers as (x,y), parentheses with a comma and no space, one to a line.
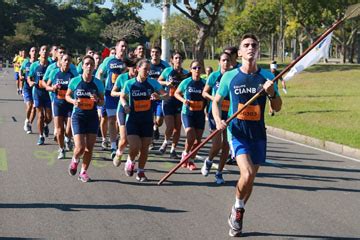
(204,14)
(180,30)
(124,29)
(152,30)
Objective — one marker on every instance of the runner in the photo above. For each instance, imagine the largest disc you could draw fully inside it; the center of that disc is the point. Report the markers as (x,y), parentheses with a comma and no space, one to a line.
(27,90)
(53,54)
(121,116)
(85,92)
(219,141)
(41,97)
(171,77)
(156,67)
(189,93)
(233,52)
(140,51)
(18,59)
(89,51)
(136,101)
(246,133)
(112,68)
(60,51)
(58,83)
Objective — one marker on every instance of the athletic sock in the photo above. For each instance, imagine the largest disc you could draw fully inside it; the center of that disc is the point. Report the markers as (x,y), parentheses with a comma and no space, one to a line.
(239,203)
(66,139)
(172,149)
(139,170)
(82,170)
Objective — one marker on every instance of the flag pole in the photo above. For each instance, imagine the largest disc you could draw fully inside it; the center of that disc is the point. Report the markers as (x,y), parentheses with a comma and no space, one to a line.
(324,35)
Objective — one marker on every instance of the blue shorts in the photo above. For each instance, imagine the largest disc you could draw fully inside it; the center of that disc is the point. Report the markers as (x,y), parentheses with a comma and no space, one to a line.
(16,76)
(196,120)
(84,124)
(157,108)
(255,148)
(171,106)
(42,100)
(143,129)
(62,109)
(103,111)
(27,95)
(212,123)
(110,103)
(121,117)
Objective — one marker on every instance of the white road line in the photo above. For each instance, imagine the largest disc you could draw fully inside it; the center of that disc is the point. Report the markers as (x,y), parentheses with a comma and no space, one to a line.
(319,149)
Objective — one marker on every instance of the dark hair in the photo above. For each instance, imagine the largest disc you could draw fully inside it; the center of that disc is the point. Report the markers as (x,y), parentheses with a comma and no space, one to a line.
(231,49)
(273,62)
(88,49)
(131,62)
(66,54)
(121,40)
(112,48)
(194,61)
(62,48)
(210,68)
(250,35)
(157,48)
(224,53)
(175,53)
(86,57)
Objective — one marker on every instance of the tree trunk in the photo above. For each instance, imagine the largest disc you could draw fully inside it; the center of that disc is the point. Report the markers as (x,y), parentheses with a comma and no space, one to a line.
(184,48)
(272,48)
(200,46)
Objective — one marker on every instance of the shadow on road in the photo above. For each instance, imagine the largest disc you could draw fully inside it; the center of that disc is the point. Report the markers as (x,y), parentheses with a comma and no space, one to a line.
(79,207)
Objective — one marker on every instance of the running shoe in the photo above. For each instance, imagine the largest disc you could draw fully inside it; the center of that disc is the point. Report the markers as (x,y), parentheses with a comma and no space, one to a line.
(73,167)
(205,169)
(41,141)
(113,153)
(156,134)
(104,145)
(284,90)
(183,156)
(117,158)
(61,154)
(28,131)
(129,168)
(162,148)
(26,126)
(84,177)
(69,145)
(200,158)
(230,161)
(140,176)
(19,91)
(235,221)
(174,155)
(46,130)
(191,166)
(271,113)
(219,178)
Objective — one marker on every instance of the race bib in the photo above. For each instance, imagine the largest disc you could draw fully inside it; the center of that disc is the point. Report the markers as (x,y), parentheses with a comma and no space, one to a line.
(196,105)
(61,94)
(114,77)
(250,113)
(225,105)
(142,105)
(86,103)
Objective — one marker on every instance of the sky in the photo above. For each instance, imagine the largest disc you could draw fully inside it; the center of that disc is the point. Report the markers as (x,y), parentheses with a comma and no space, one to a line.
(148,12)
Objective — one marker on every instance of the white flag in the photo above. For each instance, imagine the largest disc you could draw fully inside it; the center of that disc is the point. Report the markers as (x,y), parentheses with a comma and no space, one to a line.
(318,52)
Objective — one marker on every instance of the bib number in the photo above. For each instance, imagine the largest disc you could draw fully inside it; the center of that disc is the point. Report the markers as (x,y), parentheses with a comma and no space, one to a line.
(86,103)
(250,113)
(61,94)
(196,105)
(114,77)
(142,105)
(225,105)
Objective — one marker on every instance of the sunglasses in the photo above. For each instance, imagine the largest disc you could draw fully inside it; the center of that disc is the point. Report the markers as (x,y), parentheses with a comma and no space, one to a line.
(196,68)
(246,45)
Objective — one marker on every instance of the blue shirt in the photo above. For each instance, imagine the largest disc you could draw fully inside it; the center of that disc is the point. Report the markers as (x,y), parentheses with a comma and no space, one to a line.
(170,75)
(62,78)
(156,70)
(113,67)
(37,72)
(192,91)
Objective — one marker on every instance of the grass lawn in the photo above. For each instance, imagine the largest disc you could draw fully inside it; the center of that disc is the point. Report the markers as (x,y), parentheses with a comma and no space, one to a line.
(322,102)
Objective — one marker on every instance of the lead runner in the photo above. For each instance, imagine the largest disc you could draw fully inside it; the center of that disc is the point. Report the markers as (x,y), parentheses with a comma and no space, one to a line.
(246,133)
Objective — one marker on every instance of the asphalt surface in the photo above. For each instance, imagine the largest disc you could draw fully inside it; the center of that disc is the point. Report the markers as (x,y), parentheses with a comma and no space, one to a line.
(301,193)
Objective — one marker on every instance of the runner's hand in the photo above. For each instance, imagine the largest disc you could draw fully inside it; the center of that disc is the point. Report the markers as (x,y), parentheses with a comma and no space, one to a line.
(221,125)
(269,87)
(154,96)
(127,109)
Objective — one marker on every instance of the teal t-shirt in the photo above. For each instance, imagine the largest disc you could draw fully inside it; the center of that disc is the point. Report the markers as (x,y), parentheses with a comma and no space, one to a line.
(63,79)
(241,87)
(170,75)
(192,91)
(120,83)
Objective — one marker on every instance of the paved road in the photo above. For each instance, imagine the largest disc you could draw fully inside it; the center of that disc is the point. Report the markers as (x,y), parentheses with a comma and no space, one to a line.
(301,193)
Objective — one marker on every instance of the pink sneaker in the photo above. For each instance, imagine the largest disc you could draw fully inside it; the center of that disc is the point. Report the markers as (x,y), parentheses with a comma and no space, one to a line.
(183,156)
(73,168)
(191,166)
(129,168)
(84,177)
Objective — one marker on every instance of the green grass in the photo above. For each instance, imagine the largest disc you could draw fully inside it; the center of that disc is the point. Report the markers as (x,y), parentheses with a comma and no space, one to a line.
(323,102)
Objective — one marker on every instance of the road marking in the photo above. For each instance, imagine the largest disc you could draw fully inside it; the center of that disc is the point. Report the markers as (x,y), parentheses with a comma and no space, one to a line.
(3,160)
(45,155)
(319,149)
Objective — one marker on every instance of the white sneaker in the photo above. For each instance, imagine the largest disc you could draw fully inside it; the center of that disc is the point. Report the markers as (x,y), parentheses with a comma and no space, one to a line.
(26,126)
(205,169)
(284,90)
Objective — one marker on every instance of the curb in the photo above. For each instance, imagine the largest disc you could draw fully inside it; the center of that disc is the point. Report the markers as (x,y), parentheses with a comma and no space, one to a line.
(322,144)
